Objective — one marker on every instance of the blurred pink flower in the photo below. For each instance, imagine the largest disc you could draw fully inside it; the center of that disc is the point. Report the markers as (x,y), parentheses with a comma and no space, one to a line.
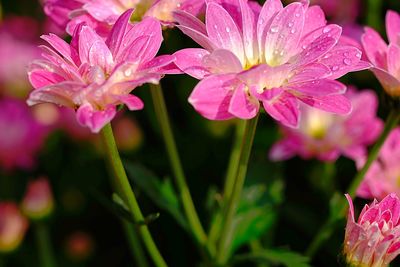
(128,134)
(326,136)
(21,136)
(374,240)
(382,177)
(340,11)
(102,14)
(17,47)
(278,56)
(12,227)
(385,59)
(79,246)
(38,201)
(93,75)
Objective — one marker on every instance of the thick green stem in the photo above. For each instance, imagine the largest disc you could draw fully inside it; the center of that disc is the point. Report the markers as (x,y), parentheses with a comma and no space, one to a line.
(180,180)
(46,256)
(128,195)
(135,245)
(215,228)
(328,228)
(238,182)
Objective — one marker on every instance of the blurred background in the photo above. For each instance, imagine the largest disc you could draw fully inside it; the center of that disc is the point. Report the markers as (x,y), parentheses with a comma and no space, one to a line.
(283,202)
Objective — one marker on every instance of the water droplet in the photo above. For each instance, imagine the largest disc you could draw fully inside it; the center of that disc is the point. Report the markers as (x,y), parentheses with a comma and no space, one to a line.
(128,72)
(358,55)
(304,46)
(297,15)
(346,54)
(347,61)
(290,24)
(227,29)
(274,29)
(261,21)
(215,26)
(293,31)
(335,68)
(326,30)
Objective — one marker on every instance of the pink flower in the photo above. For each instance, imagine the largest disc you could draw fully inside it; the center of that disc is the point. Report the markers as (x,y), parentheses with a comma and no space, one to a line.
(12,227)
(93,75)
(326,136)
(38,200)
(102,14)
(385,59)
(275,55)
(374,240)
(382,177)
(23,137)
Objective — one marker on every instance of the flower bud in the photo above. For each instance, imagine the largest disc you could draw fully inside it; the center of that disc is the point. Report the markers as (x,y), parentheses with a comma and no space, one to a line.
(13,226)
(38,201)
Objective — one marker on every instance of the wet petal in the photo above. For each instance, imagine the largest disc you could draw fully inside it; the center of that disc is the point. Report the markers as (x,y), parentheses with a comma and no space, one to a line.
(375,48)
(189,60)
(243,105)
(95,120)
(393,27)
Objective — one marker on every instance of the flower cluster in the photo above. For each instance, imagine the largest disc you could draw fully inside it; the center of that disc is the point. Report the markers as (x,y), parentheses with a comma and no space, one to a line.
(373,240)
(326,136)
(277,55)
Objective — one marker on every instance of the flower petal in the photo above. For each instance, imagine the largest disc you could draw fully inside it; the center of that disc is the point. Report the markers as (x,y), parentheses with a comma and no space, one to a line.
(284,34)
(188,20)
(114,40)
(95,119)
(393,27)
(314,19)
(243,105)
(390,83)
(198,37)
(222,61)
(212,95)
(223,31)
(131,101)
(393,60)
(337,104)
(189,60)
(375,48)
(284,109)
(320,87)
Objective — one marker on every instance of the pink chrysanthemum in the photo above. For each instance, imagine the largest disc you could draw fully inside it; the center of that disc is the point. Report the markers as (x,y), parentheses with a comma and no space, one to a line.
(93,75)
(275,55)
(383,177)
(373,240)
(102,14)
(22,136)
(326,136)
(385,59)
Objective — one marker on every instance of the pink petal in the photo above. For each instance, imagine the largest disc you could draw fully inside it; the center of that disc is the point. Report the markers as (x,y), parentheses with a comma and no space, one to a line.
(282,150)
(249,31)
(390,83)
(101,10)
(284,34)
(375,48)
(212,96)
(40,78)
(284,109)
(222,61)
(198,37)
(310,72)
(114,40)
(131,101)
(163,64)
(223,31)
(100,55)
(393,59)
(341,60)
(59,45)
(242,104)
(337,104)
(268,12)
(95,119)
(351,207)
(87,39)
(265,76)
(314,19)
(189,60)
(393,27)
(60,94)
(317,88)
(190,21)
(319,46)
(392,203)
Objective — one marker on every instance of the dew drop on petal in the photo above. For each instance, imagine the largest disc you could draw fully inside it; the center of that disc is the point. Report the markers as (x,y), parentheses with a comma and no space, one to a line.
(335,68)
(358,55)
(297,15)
(326,30)
(127,72)
(347,61)
(274,29)
(293,31)
(290,25)
(227,29)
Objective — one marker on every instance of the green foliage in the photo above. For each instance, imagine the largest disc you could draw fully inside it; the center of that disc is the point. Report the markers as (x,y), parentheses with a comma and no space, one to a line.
(275,257)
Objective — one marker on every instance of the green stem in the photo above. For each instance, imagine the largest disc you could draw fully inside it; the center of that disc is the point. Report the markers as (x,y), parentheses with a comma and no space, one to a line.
(180,180)
(135,245)
(328,228)
(245,151)
(215,228)
(257,247)
(45,247)
(128,195)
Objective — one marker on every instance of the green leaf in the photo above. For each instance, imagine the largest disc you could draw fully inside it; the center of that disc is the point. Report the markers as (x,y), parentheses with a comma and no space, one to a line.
(276,257)
(161,192)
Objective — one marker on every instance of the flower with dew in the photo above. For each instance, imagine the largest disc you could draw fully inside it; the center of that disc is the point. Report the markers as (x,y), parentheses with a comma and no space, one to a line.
(326,136)
(373,240)
(277,55)
(38,201)
(22,135)
(383,177)
(93,76)
(102,14)
(385,58)
(13,226)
